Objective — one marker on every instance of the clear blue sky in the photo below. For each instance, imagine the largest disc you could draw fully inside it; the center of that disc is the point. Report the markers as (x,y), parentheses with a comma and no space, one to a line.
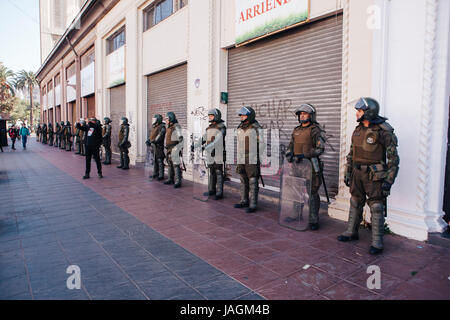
(19,34)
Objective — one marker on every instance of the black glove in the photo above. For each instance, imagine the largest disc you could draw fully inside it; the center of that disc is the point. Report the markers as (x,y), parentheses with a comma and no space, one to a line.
(299,157)
(347,179)
(148,143)
(386,187)
(289,157)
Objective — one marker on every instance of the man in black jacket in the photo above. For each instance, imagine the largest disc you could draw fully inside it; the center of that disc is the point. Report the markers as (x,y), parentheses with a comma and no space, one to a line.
(93,141)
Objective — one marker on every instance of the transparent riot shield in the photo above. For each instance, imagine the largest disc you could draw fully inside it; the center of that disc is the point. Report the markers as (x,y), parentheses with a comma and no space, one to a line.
(149,162)
(200,171)
(295,194)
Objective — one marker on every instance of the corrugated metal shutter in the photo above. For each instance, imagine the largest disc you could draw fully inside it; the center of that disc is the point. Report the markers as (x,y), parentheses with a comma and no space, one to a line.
(58,114)
(90,101)
(276,74)
(118,110)
(73,114)
(167,91)
(50,116)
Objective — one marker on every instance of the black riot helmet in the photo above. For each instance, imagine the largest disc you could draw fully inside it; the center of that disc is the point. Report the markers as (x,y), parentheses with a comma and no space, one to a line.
(124,120)
(172,118)
(62,123)
(107,120)
(50,125)
(370,106)
(308,108)
(249,112)
(217,115)
(67,123)
(158,119)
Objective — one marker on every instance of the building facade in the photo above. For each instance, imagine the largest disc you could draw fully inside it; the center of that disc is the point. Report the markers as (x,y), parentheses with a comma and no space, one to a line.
(54,17)
(136,58)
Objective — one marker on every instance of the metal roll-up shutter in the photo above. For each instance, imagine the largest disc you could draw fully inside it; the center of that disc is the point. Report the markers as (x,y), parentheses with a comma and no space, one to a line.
(118,110)
(276,74)
(58,114)
(167,91)
(73,114)
(90,101)
(50,116)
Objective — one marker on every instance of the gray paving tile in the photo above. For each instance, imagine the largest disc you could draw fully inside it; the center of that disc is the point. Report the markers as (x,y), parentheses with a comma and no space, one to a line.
(63,294)
(13,286)
(222,288)
(144,271)
(125,291)
(164,286)
(198,273)
(10,245)
(12,270)
(251,296)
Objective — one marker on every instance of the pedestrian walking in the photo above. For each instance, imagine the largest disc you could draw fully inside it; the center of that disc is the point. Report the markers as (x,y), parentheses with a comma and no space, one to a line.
(12,132)
(24,133)
(93,142)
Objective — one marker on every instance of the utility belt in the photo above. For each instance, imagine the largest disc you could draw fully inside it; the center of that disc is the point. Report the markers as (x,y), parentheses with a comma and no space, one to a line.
(377,172)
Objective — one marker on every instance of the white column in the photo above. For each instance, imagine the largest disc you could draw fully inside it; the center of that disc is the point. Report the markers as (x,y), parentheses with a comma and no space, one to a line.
(132,76)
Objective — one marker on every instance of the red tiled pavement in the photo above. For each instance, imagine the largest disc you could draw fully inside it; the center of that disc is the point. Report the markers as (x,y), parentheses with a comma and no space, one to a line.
(258,252)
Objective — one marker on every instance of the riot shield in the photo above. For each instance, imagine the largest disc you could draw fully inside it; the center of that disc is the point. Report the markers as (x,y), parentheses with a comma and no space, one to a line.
(149,162)
(295,194)
(200,170)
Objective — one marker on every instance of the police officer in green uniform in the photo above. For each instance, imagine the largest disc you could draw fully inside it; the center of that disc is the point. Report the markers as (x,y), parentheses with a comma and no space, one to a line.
(106,139)
(308,141)
(249,165)
(368,174)
(174,146)
(50,135)
(124,144)
(215,141)
(156,141)
(68,134)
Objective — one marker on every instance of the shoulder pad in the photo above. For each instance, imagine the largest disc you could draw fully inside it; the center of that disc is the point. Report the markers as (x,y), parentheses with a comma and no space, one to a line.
(386,126)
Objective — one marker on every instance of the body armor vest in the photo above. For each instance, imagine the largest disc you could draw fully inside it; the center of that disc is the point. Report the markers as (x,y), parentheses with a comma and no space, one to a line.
(121,133)
(169,133)
(155,131)
(367,147)
(303,141)
(248,144)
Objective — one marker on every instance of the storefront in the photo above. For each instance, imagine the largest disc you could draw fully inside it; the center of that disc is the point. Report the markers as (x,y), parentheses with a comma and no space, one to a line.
(167,91)
(88,83)
(71,94)
(277,74)
(117,111)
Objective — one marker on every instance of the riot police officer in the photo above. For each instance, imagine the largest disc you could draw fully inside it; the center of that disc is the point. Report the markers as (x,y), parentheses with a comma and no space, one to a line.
(57,135)
(174,147)
(77,138)
(124,144)
(156,141)
(249,164)
(308,142)
(50,135)
(44,133)
(106,140)
(368,174)
(62,136)
(215,141)
(68,135)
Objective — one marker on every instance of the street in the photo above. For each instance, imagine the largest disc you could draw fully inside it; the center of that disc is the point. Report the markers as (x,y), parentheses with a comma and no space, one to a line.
(136,239)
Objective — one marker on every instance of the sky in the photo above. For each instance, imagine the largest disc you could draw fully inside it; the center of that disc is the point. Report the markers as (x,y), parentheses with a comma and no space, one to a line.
(19,34)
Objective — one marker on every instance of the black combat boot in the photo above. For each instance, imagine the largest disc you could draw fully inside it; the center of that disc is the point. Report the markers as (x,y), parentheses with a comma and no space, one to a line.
(177,177)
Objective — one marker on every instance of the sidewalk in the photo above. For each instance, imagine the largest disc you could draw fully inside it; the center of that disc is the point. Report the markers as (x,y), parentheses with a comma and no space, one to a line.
(133,238)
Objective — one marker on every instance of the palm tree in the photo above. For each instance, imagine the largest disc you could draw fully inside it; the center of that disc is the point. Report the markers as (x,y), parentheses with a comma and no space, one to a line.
(6,88)
(26,79)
